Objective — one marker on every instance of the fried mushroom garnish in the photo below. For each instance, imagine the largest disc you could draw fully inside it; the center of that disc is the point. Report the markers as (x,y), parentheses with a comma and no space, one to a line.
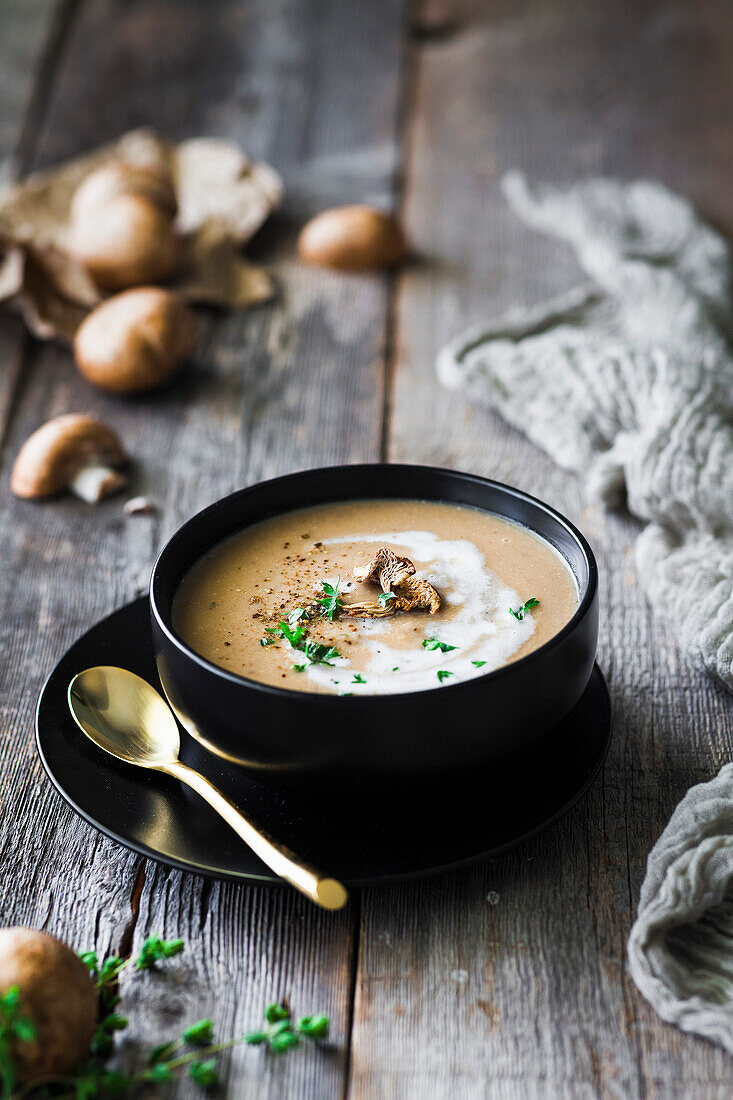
(396,577)
(385,569)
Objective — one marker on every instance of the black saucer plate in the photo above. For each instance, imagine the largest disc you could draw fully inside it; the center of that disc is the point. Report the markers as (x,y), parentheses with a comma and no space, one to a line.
(383,834)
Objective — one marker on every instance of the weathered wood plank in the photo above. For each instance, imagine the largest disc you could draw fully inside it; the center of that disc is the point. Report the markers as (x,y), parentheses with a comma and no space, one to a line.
(37,886)
(528,997)
(314,89)
(26,48)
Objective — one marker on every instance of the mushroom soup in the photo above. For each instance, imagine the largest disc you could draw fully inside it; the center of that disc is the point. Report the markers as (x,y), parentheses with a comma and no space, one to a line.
(374,597)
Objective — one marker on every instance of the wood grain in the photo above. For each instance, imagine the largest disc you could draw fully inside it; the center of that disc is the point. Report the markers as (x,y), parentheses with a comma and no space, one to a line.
(509,980)
(314,89)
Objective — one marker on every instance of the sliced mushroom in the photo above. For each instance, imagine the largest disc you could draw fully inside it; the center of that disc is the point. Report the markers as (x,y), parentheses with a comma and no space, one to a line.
(415,594)
(367,610)
(394,575)
(73,452)
(385,569)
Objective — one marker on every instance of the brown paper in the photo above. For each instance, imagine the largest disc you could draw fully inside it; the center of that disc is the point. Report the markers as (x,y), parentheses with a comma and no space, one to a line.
(223,198)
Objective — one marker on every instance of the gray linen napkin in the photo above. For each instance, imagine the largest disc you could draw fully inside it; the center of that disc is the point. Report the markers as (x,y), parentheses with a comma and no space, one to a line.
(628,380)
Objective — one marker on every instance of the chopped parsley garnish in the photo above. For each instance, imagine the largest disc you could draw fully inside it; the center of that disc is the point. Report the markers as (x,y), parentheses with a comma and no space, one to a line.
(330,603)
(443,675)
(358,679)
(384,597)
(291,631)
(522,611)
(396,668)
(296,615)
(478,664)
(294,635)
(298,668)
(319,654)
(433,643)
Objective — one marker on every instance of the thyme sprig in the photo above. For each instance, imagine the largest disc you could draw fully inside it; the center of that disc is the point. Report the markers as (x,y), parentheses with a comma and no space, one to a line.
(282,1033)
(14,1028)
(195,1050)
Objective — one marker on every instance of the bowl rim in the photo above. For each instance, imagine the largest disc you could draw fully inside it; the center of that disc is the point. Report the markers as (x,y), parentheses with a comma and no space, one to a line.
(327,698)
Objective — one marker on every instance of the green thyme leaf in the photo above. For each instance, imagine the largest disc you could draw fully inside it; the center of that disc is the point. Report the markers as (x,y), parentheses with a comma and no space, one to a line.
(433,643)
(298,668)
(358,679)
(204,1074)
(314,1027)
(254,1038)
(296,615)
(384,597)
(443,675)
(277,1011)
(162,1052)
(24,1030)
(285,1040)
(89,958)
(156,948)
(478,664)
(159,1074)
(113,1083)
(87,1087)
(102,1044)
(199,1034)
(396,668)
(522,611)
(113,1022)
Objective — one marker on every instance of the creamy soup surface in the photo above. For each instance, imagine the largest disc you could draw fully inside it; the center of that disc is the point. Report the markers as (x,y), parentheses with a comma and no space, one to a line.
(230,604)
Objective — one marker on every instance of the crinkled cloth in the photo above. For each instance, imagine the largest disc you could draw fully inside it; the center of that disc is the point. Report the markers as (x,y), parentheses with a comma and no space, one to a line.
(629,380)
(681,946)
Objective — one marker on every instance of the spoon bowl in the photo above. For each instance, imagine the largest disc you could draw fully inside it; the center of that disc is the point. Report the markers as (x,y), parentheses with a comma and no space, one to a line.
(125,716)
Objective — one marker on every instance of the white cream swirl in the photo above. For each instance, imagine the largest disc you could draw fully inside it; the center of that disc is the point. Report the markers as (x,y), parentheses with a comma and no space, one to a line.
(482,630)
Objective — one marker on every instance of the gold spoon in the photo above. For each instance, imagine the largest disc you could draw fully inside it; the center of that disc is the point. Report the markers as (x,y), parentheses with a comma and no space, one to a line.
(124,715)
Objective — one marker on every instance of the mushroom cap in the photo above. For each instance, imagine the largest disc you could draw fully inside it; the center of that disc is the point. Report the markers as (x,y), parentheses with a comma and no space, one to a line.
(385,569)
(135,341)
(126,243)
(154,183)
(51,457)
(56,993)
(122,225)
(352,238)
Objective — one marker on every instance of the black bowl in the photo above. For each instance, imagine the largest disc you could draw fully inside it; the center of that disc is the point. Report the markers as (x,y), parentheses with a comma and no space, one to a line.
(303,738)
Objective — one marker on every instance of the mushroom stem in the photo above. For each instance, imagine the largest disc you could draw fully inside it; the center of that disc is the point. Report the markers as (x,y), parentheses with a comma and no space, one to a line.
(93,483)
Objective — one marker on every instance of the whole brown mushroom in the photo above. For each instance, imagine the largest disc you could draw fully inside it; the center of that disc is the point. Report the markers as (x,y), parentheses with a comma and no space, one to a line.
(352,238)
(56,994)
(122,225)
(71,452)
(135,341)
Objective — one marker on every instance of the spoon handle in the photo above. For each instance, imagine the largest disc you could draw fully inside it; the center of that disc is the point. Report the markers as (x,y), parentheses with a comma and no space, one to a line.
(326,892)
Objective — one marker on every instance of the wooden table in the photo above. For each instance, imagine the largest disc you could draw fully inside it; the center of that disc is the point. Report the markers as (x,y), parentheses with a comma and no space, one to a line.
(433,991)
